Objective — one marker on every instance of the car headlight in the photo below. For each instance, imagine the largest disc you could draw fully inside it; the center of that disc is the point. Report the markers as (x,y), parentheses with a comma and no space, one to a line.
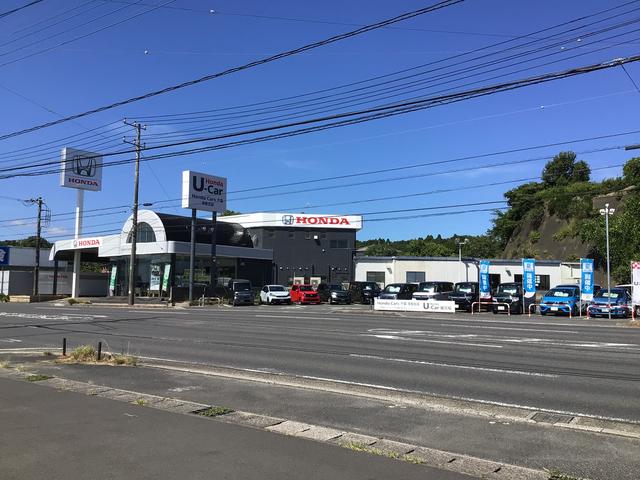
(334,294)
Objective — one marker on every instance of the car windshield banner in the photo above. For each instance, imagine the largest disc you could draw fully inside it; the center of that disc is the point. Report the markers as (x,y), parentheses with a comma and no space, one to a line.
(529,277)
(586,278)
(4,255)
(485,285)
(635,279)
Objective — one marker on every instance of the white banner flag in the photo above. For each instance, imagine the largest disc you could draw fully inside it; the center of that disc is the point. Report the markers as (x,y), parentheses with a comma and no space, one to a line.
(635,279)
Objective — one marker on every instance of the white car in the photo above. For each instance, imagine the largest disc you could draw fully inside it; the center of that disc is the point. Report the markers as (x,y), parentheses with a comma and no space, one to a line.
(275,294)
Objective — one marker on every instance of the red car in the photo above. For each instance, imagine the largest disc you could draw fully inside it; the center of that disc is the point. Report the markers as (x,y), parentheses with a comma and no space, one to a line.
(304,294)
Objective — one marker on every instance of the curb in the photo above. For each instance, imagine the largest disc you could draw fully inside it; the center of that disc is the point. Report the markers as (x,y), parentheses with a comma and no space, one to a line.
(453,405)
(463,464)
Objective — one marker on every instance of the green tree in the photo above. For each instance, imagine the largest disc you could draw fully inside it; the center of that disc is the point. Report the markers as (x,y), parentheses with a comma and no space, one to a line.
(426,248)
(382,249)
(228,213)
(631,172)
(27,242)
(564,169)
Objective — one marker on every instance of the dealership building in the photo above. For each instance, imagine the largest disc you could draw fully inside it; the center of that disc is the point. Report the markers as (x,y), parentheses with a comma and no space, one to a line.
(264,248)
(385,270)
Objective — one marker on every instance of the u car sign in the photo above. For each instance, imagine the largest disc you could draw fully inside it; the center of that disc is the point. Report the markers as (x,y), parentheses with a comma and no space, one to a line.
(201,191)
(81,169)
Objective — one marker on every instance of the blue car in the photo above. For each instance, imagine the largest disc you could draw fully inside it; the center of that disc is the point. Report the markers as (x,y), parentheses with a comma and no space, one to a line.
(618,301)
(563,299)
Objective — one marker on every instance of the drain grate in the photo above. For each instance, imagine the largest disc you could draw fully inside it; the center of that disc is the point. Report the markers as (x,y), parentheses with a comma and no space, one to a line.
(544,417)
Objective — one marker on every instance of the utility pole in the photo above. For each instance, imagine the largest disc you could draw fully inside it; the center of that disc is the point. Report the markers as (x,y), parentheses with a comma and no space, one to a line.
(42,208)
(460,243)
(606,211)
(134,228)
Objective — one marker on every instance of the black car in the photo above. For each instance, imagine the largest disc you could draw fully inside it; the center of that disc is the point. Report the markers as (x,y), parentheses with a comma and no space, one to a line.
(433,291)
(398,291)
(363,292)
(333,293)
(465,294)
(511,294)
(238,292)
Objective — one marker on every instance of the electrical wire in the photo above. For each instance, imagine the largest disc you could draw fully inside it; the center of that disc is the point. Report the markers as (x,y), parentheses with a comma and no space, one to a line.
(272,58)
(18,9)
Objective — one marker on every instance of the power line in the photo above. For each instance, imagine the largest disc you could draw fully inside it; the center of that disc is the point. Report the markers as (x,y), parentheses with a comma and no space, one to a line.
(17,9)
(342,119)
(336,38)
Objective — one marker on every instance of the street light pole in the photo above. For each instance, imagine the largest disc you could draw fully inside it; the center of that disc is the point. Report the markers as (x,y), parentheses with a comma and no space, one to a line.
(460,243)
(606,211)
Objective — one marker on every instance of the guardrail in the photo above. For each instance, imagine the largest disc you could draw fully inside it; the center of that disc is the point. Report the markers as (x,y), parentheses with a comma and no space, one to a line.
(490,303)
(214,300)
(534,305)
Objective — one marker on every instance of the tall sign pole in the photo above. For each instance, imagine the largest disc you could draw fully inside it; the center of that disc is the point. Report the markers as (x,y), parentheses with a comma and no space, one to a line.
(81,170)
(134,227)
(201,191)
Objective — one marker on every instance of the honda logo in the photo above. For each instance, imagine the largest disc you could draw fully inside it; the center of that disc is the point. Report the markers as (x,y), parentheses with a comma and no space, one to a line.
(84,167)
(287,219)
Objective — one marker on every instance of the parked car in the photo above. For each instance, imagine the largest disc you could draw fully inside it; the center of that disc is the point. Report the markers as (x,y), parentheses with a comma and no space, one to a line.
(304,294)
(333,293)
(275,294)
(238,292)
(398,291)
(511,294)
(433,291)
(363,292)
(561,299)
(618,300)
(466,293)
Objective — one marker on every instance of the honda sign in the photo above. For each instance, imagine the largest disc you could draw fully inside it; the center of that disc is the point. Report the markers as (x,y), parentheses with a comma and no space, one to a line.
(201,191)
(81,169)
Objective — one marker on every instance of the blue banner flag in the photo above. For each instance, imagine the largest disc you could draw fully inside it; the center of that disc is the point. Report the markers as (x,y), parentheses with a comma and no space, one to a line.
(485,285)
(529,277)
(4,255)
(586,278)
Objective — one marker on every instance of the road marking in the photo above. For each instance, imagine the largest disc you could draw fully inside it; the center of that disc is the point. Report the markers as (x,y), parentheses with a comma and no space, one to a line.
(508,328)
(289,316)
(37,316)
(10,340)
(464,367)
(396,337)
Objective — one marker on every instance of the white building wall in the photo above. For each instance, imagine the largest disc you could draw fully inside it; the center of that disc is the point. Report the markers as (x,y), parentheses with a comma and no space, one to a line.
(450,270)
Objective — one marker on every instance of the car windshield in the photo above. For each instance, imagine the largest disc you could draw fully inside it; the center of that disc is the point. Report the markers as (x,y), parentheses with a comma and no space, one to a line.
(508,289)
(392,289)
(242,287)
(368,286)
(464,288)
(277,288)
(427,287)
(335,287)
(612,294)
(560,292)
(306,288)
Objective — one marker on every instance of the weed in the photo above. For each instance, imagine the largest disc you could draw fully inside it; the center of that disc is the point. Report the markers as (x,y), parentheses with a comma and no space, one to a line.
(72,301)
(557,475)
(362,447)
(4,364)
(93,393)
(47,354)
(4,298)
(37,378)
(141,402)
(214,411)
(128,360)
(84,353)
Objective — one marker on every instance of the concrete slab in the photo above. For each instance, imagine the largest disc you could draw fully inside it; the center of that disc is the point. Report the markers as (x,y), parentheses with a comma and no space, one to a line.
(322,434)
(356,438)
(395,448)
(250,419)
(289,427)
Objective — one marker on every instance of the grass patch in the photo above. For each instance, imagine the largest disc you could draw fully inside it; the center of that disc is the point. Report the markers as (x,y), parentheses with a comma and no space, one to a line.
(214,411)
(84,353)
(4,364)
(128,360)
(47,354)
(37,378)
(362,447)
(557,475)
(140,401)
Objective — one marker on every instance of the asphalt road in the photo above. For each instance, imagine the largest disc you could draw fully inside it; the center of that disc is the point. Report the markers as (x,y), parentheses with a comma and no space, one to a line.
(589,367)
(43,437)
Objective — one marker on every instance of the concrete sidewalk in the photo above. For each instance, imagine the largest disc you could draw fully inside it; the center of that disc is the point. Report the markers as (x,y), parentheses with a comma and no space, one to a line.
(48,433)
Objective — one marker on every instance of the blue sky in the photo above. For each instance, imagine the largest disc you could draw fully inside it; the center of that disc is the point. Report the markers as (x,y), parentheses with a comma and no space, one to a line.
(167,46)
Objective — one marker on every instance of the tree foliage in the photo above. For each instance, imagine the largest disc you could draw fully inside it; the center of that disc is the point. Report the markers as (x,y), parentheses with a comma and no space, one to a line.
(564,169)
(27,242)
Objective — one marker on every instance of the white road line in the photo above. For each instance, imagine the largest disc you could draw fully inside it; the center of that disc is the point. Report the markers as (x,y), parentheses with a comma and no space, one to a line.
(292,317)
(449,365)
(10,340)
(508,328)
(424,340)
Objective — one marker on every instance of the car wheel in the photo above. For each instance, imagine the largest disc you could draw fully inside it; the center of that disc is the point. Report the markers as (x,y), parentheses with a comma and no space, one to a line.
(495,312)
(543,313)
